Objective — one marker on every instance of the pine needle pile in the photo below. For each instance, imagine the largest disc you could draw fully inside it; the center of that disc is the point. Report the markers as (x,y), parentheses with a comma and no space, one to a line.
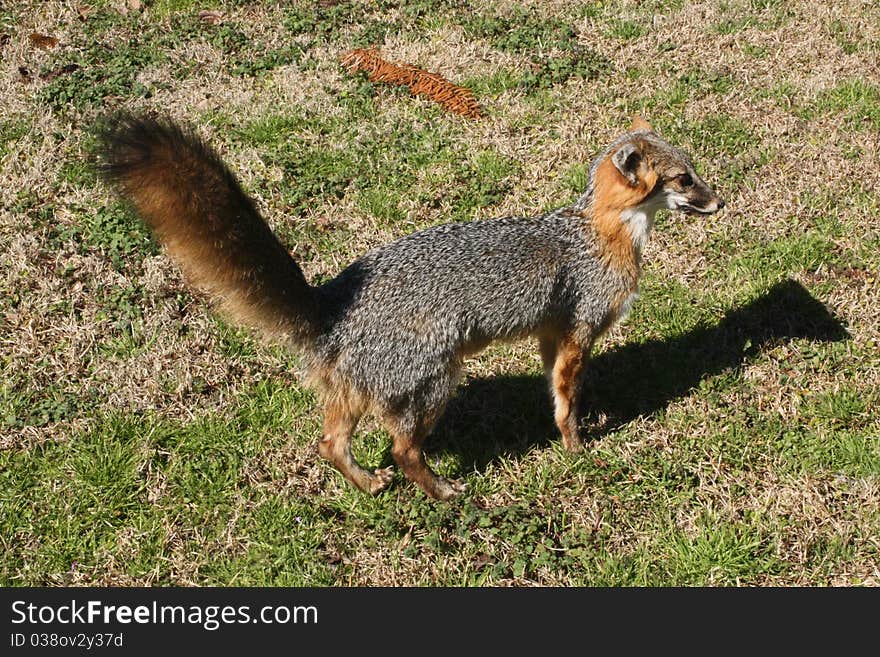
(420,82)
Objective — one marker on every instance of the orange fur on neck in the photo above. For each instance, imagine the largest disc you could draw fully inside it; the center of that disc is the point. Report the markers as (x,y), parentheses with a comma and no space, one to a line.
(612,194)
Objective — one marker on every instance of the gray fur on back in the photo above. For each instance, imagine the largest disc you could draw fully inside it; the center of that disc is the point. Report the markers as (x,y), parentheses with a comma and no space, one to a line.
(399,319)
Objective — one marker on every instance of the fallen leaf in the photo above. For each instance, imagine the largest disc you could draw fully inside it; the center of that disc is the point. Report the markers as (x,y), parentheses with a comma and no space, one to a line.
(324,223)
(83,11)
(482,560)
(43,41)
(128,6)
(211,16)
(64,70)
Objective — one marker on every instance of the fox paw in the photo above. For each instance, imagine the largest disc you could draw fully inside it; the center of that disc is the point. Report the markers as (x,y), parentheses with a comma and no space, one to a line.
(446,489)
(380,480)
(573,445)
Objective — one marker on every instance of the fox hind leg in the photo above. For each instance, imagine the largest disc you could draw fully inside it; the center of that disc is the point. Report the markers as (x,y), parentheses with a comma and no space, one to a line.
(409,437)
(340,421)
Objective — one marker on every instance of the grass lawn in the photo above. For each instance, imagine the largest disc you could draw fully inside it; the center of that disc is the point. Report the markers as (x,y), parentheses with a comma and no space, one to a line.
(733,419)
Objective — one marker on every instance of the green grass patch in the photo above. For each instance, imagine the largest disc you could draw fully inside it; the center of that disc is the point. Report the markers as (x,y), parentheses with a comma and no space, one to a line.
(328,162)
(101,71)
(165,8)
(11,130)
(100,480)
(857,101)
(624,30)
(780,256)
(520,30)
(118,234)
(740,15)
(71,500)
(22,406)
(720,553)
(552,44)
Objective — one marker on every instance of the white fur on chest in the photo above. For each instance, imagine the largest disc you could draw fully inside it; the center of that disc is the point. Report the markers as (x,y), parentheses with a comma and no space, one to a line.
(640,221)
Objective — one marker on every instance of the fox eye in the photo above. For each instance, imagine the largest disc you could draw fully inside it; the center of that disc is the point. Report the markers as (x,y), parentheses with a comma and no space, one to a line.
(684,180)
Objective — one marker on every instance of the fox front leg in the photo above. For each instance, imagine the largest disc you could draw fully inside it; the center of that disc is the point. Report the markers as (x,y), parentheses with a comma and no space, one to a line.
(566,380)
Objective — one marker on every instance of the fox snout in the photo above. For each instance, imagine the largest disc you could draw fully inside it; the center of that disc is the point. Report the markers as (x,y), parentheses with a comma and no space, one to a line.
(715,204)
(712,204)
(691,195)
(706,200)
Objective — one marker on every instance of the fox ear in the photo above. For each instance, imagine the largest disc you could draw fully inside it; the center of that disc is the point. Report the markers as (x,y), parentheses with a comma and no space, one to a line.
(640,124)
(626,159)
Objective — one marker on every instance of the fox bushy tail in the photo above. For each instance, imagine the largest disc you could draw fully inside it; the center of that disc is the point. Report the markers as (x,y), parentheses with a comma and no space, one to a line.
(209,226)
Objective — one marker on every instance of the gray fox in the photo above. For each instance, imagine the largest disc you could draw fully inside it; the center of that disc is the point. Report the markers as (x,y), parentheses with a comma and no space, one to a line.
(388,335)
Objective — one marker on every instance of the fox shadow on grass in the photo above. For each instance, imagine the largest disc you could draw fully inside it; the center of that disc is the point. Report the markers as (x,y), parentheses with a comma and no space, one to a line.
(509,415)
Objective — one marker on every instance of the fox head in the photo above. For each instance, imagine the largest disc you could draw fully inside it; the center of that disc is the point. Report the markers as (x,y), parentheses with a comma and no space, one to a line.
(645,160)
(641,173)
